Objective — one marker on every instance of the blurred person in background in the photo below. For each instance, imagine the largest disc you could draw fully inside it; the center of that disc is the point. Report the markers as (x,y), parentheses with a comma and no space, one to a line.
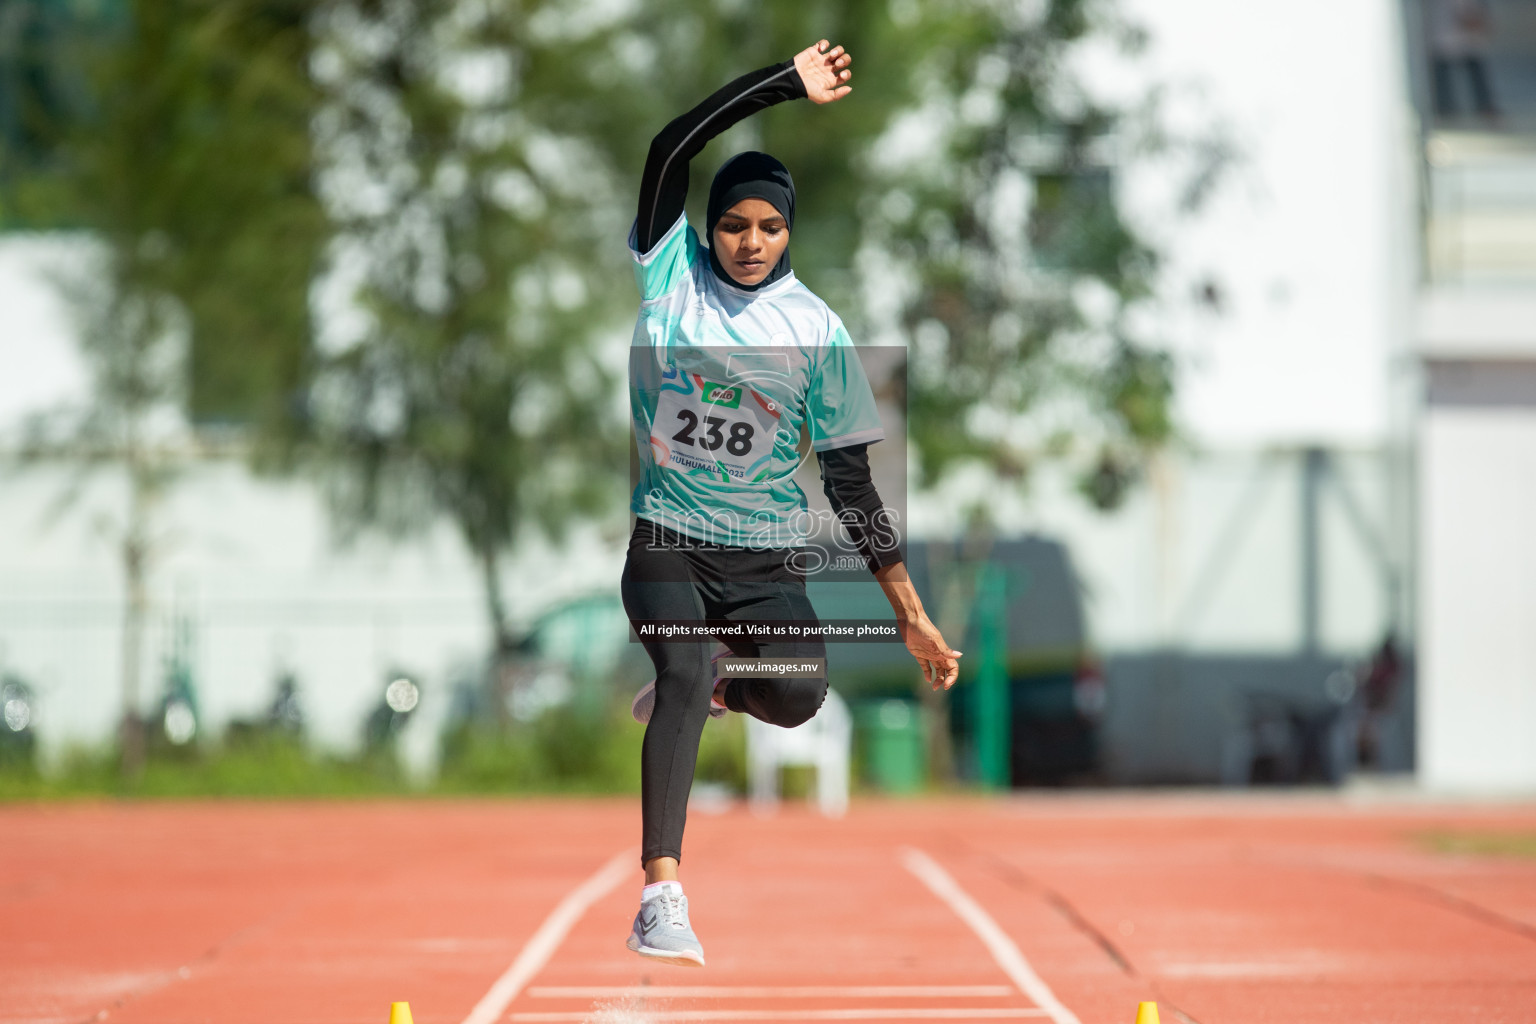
(1459,31)
(1379,680)
(732,357)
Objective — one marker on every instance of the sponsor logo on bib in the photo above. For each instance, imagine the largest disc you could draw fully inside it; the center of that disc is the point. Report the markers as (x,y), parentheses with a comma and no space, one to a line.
(721,395)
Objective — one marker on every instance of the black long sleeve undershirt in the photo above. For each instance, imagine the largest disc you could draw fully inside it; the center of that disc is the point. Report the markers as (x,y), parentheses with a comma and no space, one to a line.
(664,182)
(846,481)
(664,191)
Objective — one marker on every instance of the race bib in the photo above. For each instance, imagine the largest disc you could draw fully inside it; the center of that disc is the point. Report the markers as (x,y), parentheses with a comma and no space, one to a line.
(723,430)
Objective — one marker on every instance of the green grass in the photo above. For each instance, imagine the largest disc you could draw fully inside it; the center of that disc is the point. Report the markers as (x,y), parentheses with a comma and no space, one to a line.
(270,768)
(565,751)
(1483,844)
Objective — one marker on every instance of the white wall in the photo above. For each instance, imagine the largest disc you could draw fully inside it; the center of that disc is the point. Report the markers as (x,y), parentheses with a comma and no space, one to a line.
(1478,628)
(1310,235)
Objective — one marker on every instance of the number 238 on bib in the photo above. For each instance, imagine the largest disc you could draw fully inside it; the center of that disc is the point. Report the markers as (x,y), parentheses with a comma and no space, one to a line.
(720,430)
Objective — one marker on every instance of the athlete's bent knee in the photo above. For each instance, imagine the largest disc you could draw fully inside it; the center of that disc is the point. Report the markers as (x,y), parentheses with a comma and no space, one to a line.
(802,699)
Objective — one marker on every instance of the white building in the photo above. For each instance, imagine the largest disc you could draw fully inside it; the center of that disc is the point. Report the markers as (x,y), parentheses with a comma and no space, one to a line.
(1475,338)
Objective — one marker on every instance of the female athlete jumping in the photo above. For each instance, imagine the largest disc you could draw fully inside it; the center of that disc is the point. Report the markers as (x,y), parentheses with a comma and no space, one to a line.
(732,359)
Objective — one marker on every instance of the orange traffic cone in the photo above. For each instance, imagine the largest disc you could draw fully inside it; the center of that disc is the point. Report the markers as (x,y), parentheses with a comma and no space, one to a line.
(400,1013)
(1146,1013)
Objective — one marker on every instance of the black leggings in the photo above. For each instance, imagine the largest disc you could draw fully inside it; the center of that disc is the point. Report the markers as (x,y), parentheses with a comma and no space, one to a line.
(671,577)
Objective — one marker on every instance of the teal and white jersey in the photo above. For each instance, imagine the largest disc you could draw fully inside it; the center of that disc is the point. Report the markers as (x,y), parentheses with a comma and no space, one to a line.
(721,383)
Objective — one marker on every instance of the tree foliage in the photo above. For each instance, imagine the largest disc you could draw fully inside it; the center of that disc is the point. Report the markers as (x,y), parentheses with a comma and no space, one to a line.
(474,217)
(183,148)
(1021,272)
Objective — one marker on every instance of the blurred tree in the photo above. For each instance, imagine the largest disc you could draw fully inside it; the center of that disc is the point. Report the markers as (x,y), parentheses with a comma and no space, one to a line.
(1021,276)
(476,244)
(184,165)
(188,119)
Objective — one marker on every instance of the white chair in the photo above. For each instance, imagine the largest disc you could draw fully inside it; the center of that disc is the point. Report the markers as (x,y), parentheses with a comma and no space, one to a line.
(824,743)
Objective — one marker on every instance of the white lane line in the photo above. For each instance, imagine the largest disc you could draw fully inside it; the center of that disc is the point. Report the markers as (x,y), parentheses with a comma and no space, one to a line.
(785,992)
(1002,948)
(538,949)
(672,1016)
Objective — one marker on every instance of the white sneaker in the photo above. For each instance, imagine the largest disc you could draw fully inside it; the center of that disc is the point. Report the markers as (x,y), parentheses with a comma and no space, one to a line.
(661,931)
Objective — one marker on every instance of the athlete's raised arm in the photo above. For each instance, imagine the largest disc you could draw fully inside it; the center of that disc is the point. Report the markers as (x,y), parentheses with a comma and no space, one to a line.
(820,73)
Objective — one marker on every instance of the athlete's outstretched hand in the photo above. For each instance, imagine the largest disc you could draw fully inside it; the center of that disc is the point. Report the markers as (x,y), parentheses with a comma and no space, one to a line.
(824,70)
(941,666)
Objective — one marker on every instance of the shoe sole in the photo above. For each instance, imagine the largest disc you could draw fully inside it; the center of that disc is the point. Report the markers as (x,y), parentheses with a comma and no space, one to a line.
(714,712)
(636,703)
(666,956)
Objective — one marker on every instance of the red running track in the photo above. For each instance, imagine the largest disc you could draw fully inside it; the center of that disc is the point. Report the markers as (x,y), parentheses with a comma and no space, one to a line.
(1224,909)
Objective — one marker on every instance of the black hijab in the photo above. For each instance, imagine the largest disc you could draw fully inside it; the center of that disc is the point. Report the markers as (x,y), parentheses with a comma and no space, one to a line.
(750,175)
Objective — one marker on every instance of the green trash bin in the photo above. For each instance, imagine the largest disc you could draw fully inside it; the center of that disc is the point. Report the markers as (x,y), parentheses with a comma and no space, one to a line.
(894,744)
